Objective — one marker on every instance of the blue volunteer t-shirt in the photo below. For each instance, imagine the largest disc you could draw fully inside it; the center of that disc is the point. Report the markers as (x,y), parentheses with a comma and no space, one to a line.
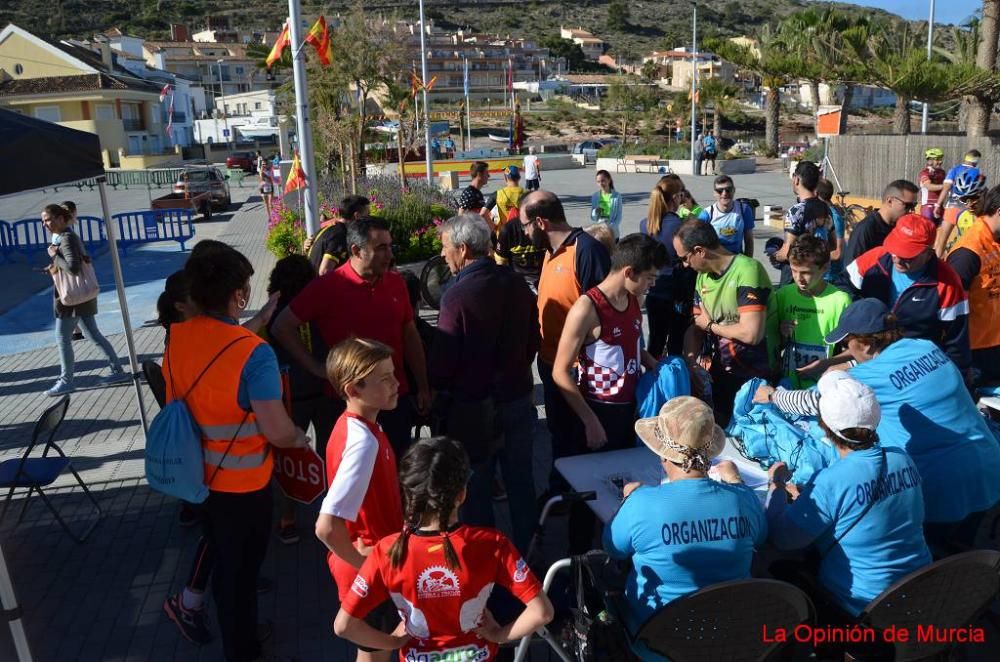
(260,379)
(682,536)
(928,412)
(731,225)
(953,199)
(888,541)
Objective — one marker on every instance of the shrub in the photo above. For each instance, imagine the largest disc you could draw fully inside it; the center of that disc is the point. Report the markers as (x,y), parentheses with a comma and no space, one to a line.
(286,230)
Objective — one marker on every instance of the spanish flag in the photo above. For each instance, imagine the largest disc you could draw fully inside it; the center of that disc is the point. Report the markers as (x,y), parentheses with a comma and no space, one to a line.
(319,37)
(279,46)
(296,176)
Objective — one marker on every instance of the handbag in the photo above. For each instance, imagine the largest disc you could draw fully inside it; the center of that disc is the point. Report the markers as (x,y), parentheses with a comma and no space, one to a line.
(74,289)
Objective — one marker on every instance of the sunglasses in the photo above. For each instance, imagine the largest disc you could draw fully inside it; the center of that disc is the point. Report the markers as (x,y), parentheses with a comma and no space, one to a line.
(907,206)
(728,190)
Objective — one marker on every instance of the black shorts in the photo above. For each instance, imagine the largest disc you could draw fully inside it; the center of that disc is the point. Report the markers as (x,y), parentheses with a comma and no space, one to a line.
(532,184)
(709,156)
(383,618)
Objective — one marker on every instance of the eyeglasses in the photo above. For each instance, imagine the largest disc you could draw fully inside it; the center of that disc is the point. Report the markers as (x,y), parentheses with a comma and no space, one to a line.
(907,206)
(728,190)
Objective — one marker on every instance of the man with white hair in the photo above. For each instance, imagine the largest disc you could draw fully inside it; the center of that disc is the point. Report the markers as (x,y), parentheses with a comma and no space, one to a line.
(532,171)
(487,339)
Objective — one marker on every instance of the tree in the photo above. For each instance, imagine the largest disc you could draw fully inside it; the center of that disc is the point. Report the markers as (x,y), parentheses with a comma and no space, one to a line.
(770,60)
(629,98)
(965,41)
(981,106)
(618,15)
(721,96)
(650,70)
(892,57)
(566,49)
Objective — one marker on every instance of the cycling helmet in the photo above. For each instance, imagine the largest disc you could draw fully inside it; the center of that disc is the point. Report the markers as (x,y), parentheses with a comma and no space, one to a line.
(969,184)
(934,153)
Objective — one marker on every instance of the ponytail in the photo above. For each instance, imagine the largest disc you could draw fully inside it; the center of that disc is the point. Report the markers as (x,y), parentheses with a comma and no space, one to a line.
(432,474)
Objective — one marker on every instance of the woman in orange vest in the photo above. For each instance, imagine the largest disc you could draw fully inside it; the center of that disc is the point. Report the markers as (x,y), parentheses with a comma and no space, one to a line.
(976,260)
(236,401)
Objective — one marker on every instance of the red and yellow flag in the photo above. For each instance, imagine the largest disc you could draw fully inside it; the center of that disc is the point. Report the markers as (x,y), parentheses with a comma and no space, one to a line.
(319,37)
(296,176)
(279,46)
(416,84)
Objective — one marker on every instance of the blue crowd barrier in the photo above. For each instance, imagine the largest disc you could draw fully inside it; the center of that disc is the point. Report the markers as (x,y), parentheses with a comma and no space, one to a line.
(29,236)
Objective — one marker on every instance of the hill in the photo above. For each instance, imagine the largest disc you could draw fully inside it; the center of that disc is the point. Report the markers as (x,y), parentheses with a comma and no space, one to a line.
(642,26)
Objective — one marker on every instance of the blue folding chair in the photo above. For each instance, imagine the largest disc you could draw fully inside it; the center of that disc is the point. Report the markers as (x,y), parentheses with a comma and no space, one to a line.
(35,473)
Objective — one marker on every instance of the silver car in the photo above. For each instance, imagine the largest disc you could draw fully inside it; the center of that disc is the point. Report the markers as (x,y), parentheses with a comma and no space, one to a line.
(205,179)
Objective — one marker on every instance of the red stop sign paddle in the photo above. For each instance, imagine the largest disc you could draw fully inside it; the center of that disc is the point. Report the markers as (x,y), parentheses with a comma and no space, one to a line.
(300,473)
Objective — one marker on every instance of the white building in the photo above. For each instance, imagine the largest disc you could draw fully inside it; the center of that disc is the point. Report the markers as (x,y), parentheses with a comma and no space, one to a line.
(864,96)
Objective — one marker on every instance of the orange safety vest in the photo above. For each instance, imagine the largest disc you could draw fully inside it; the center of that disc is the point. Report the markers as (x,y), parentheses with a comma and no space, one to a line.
(214,402)
(984,293)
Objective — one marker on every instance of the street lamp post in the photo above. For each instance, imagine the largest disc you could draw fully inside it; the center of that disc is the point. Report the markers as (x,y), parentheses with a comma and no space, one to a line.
(427,117)
(930,41)
(694,82)
(225,116)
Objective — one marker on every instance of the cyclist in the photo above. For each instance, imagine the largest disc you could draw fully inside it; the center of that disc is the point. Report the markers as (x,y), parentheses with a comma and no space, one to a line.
(967,189)
(948,205)
(931,180)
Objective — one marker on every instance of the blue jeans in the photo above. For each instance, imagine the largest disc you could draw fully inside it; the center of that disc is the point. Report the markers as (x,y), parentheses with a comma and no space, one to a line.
(64,340)
(516,421)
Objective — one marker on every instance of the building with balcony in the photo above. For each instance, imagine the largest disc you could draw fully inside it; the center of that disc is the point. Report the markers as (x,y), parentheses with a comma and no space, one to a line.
(490,58)
(592,47)
(82,88)
(221,69)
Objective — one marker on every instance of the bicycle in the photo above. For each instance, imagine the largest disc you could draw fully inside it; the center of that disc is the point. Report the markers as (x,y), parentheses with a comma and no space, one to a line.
(433,278)
(852,214)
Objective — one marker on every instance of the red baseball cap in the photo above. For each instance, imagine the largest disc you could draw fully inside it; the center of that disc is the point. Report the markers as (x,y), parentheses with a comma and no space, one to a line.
(912,235)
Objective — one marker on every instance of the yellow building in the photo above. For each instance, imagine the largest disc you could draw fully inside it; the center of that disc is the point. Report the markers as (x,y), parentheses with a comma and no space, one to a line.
(81,87)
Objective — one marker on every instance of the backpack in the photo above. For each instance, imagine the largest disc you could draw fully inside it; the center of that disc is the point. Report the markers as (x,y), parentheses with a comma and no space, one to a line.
(174,456)
(765,435)
(660,386)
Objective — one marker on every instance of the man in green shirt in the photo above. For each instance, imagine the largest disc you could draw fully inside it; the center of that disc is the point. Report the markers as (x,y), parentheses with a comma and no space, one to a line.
(727,336)
(802,313)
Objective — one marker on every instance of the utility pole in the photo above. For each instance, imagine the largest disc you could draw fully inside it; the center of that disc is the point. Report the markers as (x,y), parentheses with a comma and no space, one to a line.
(429,157)
(930,42)
(694,82)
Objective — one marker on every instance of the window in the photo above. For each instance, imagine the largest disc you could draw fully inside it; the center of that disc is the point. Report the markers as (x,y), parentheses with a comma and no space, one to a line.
(104,111)
(256,105)
(18,69)
(239,71)
(48,113)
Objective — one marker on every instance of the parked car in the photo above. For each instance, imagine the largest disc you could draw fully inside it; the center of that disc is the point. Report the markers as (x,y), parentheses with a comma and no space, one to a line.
(205,180)
(589,148)
(245,161)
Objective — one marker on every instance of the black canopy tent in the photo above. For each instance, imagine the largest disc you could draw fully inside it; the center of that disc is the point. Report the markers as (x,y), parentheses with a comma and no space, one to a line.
(46,154)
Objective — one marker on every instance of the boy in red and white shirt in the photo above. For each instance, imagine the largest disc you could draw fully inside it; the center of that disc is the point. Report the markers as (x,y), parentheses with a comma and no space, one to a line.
(363,504)
(438,573)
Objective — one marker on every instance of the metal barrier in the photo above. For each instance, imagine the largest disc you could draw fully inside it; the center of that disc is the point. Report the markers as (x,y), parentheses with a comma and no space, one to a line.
(143,227)
(30,235)
(158,178)
(6,241)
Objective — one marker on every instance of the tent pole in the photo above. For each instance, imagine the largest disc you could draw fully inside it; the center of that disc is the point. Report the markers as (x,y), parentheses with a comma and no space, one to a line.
(109,227)
(9,603)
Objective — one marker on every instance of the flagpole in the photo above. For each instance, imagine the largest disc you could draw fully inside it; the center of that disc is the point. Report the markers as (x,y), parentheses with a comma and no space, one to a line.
(303,128)
(429,157)
(468,107)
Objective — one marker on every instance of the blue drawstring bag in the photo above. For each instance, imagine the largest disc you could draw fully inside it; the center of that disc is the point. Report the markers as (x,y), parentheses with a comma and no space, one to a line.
(174,456)
(766,435)
(656,387)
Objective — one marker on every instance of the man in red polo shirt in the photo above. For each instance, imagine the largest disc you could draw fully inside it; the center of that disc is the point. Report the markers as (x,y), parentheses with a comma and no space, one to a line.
(363,298)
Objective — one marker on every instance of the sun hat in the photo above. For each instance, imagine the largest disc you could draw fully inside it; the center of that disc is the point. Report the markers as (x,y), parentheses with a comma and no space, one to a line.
(861,318)
(684,432)
(912,235)
(846,403)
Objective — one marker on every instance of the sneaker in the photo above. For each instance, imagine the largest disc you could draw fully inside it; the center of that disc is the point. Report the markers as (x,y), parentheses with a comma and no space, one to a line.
(59,388)
(287,534)
(189,515)
(264,585)
(116,378)
(78,335)
(191,622)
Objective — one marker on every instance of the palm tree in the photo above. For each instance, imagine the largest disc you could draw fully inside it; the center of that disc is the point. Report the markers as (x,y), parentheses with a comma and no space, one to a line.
(965,40)
(981,107)
(722,97)
(892,56)
(772,62)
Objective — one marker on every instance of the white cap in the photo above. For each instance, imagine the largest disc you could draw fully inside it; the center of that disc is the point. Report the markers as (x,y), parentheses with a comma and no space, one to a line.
(845,403)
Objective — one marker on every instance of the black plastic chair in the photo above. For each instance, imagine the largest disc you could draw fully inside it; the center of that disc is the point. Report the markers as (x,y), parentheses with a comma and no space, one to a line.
(951,593)
(38,472)
(153,373)
(724,622)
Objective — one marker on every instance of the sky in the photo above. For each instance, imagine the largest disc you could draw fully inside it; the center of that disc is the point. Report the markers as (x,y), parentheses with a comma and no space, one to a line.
(946,11)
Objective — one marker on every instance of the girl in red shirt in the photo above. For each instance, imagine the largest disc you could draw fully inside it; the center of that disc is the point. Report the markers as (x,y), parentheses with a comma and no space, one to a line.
(440,573)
